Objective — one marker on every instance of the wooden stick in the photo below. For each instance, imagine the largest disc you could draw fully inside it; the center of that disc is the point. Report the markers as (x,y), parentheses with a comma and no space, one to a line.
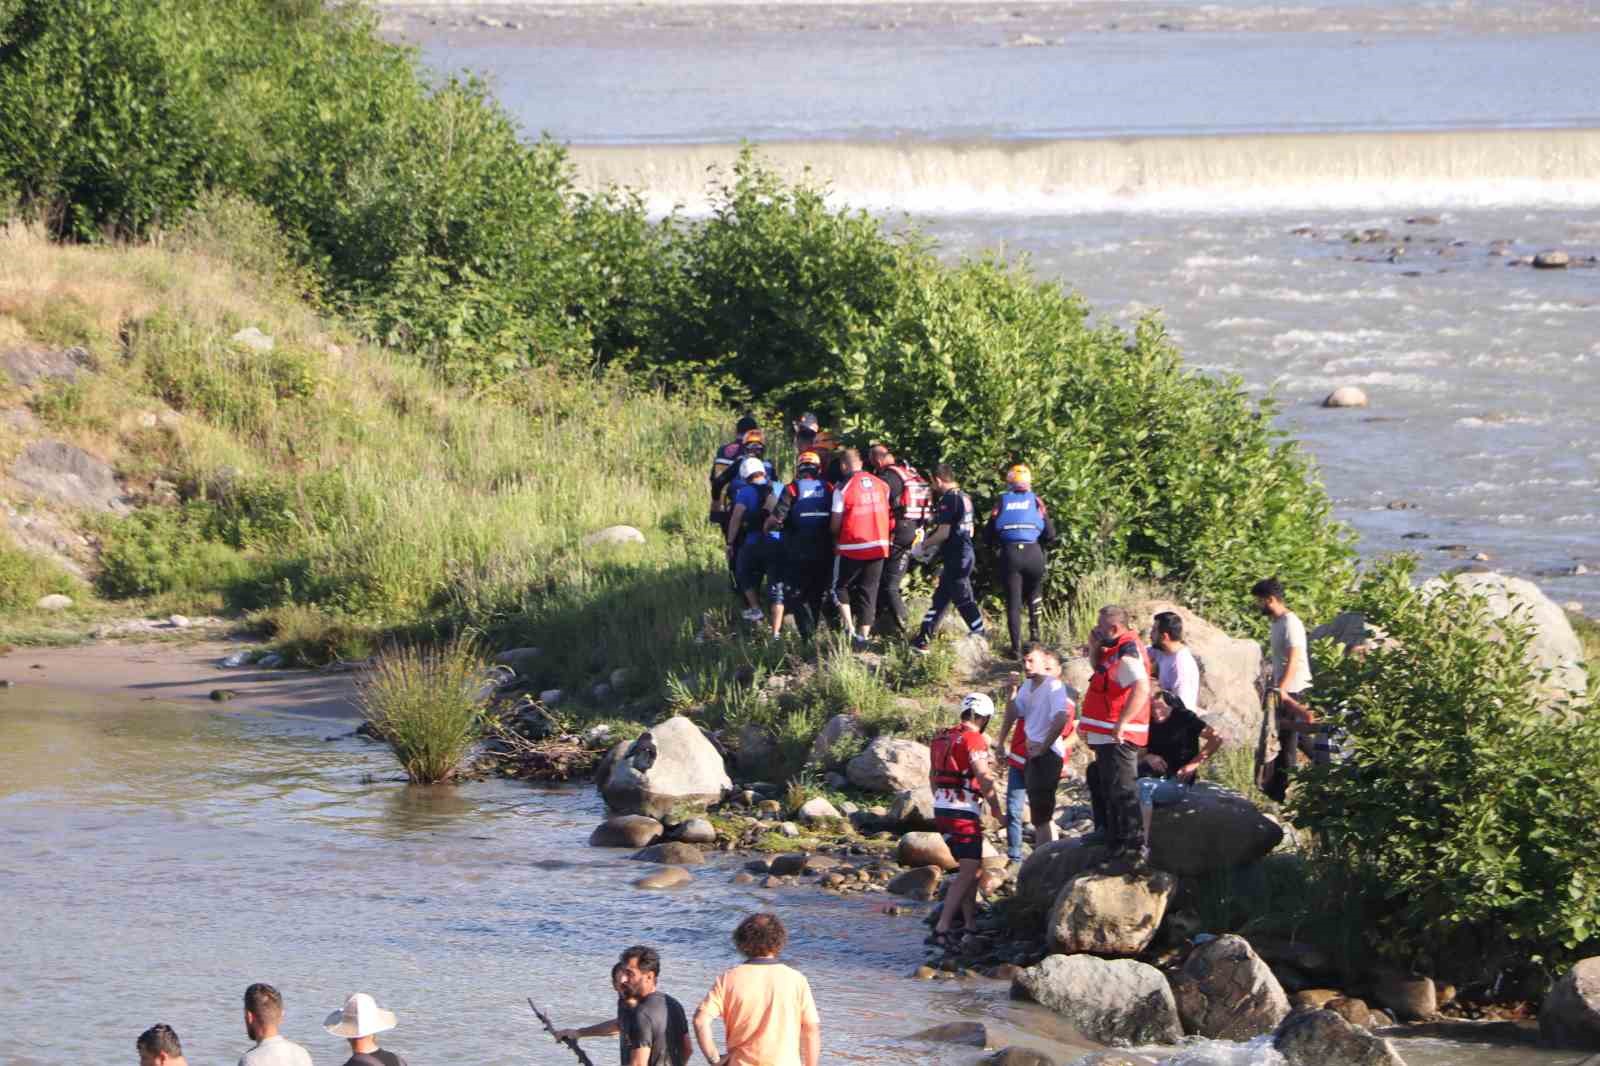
(571,1043)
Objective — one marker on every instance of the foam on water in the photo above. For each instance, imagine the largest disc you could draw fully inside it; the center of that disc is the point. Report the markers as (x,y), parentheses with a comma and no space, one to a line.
(1204,174)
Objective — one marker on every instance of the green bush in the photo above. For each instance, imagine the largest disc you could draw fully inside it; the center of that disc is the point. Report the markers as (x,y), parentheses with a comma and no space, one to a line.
(25,577)
(160,550)
(427,704)
(1467,805)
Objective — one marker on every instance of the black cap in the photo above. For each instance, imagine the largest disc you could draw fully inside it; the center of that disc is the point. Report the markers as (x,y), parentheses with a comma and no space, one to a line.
(807,421)
(745,424)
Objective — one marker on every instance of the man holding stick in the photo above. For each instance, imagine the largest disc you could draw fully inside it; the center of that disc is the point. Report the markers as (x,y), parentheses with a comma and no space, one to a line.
(653,1027)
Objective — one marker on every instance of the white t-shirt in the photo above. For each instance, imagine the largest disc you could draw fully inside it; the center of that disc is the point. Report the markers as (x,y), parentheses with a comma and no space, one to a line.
(1040,703)
(276,1051)
(1289,632)
(1179,674)
(1129,671)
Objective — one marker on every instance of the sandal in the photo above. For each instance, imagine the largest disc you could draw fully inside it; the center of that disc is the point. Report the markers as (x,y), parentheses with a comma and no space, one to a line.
(946,941)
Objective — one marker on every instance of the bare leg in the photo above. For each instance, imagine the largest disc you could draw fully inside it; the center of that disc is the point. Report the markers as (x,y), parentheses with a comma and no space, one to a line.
(969,900)
(961,889)
(777,619)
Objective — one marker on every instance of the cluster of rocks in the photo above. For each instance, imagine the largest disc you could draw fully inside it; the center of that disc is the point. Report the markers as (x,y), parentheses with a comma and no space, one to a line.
(1408,247)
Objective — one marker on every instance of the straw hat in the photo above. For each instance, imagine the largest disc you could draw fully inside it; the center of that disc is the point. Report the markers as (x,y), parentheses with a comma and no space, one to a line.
(361,1016)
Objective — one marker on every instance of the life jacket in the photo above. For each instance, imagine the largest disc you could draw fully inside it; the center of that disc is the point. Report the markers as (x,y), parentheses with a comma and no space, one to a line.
(754,518)
(915,504)
(810,505)
(1019,518)
(1103,703)
(726,456)
(955,785)
(864,532)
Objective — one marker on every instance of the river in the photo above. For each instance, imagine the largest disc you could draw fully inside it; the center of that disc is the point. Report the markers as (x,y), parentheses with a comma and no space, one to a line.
(155,858)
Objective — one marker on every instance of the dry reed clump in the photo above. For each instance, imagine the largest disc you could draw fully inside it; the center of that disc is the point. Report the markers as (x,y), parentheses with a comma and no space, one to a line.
(428,704)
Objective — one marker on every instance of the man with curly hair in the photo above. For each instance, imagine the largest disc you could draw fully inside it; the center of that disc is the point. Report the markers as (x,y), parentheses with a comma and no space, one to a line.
(768,1015)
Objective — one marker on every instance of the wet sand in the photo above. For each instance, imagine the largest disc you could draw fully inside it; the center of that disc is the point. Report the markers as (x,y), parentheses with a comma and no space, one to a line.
(181,672)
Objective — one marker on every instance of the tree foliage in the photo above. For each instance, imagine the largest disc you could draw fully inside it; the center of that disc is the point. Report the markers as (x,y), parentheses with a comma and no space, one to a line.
(1468,801)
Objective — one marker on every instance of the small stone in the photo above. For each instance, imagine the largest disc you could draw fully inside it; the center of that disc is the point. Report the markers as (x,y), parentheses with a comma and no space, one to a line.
(789,829)
(920,883)
(972,1034)
(6,683)
(694,831)
(252,338)
(772,881)
(53,602)
(1481,557)
(818,809)
(179,621)
(925,973)
(223,695)
(762,866)
(671,853)
(671,877)
(788,864)
(1554,259)
(1346,396)
(613,536)
(148,420)
(551,697)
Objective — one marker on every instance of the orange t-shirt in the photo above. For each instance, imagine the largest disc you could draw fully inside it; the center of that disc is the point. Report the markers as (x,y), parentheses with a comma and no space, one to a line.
(762,1005)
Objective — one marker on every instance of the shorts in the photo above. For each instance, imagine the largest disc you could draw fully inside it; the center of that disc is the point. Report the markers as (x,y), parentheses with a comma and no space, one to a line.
(964,836)
(756,566)
(1042,776)
(1160,791)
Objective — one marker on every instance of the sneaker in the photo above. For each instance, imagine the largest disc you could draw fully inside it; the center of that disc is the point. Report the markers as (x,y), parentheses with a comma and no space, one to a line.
(859,643)
(918,647)
(752,614)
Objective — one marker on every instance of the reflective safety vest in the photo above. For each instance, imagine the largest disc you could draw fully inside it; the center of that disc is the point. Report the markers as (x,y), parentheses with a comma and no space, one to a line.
(915,504)
(1103,703)
(810,505)
(955,785)
(864,529)
(1019,518)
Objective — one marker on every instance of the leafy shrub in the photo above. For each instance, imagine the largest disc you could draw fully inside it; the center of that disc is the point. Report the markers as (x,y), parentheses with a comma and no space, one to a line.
(1467,804)
(427,704)
(25,577)
(159,550)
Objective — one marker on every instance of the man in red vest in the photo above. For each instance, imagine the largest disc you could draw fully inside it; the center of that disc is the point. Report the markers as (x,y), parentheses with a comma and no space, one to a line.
(1115,722)
(860,526)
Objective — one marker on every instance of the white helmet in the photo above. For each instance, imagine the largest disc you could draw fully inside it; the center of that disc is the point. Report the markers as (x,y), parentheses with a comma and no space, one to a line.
(752,467)
(978,704)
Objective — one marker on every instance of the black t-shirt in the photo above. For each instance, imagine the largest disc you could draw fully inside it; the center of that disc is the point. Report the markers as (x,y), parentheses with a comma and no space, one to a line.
(1177,740)
(375,1058)
(954,509)
(657,1022)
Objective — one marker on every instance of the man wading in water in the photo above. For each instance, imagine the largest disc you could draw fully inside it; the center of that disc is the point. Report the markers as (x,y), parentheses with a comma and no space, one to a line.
(653,1027)
(766,1007)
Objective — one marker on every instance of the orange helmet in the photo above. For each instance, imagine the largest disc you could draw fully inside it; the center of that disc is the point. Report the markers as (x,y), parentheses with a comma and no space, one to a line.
(755,439)
(1020,476)
(811,459)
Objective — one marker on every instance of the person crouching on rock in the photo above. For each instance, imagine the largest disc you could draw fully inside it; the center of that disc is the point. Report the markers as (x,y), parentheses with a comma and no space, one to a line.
(1180,743)
(962,778)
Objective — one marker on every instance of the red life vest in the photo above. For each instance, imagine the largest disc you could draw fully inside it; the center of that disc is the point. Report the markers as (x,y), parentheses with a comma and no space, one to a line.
(864,530)
(1103,704)
(955,785)
(915,504)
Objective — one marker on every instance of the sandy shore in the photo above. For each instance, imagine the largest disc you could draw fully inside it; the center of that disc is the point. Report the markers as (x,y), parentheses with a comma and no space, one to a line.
(181,672)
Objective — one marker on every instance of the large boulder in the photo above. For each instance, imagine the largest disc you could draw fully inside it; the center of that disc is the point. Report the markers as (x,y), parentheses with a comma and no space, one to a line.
(626,831)
(1322,1038)
(26,366)
(925,849)
(1212,828)
(1113,1001)
(671,853)
(890,764)
(65,474)
(920,883)
(1225,992)
(1555,647)
(1570,1016)
(1229,667)
(1348,628)
(1043,873)
(841,735)
(1110,913)
(912,809)
(1408,997)
(669,767)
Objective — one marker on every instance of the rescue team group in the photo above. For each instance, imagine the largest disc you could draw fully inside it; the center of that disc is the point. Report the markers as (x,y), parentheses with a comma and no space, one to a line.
(846,529)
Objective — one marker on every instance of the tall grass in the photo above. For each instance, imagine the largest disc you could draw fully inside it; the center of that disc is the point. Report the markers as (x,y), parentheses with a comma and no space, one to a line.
(427,704)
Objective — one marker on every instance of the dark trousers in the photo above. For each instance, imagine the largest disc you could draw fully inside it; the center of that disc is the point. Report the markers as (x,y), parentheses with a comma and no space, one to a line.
(806,575)
(955,587)
(1114,795)
(1022,576)
(889,587)
(855,582)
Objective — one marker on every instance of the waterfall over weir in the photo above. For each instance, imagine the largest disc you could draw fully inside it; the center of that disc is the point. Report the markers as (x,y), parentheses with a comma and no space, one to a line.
(1218,173)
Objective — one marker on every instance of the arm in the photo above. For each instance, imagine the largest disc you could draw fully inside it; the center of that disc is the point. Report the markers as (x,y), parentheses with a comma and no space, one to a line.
(1210,741)
(983,770)
(1048,537)
(735,527)
(639,1057)
(810,1043)
(707,1039)
(1137,701)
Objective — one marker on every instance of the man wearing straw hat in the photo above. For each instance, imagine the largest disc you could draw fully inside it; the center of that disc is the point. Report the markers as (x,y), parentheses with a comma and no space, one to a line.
(359,1021)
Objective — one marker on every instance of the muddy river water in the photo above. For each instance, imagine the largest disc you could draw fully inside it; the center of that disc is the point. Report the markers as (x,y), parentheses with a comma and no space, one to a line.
(155,858)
